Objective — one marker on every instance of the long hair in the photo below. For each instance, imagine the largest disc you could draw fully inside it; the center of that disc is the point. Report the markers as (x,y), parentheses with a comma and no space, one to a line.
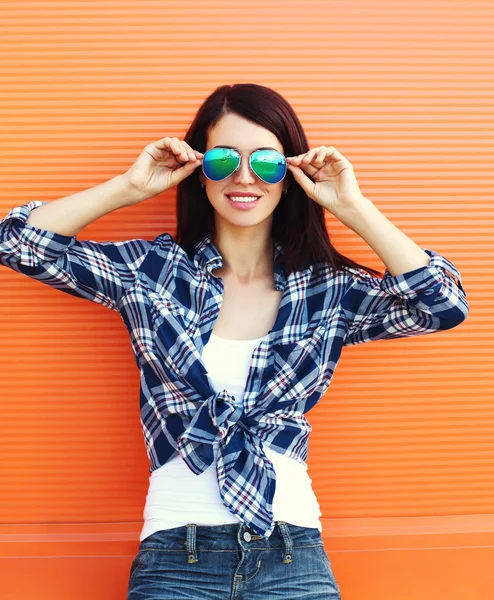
(298,222)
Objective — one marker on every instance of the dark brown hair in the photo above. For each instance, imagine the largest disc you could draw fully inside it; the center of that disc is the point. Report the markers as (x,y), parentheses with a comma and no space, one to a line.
(298,222)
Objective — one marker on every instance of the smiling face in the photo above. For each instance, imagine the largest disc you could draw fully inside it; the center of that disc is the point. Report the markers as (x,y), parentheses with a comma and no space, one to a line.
(243,135)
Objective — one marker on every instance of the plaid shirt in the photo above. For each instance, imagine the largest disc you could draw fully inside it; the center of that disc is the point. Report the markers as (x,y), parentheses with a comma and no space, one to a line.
(169,302)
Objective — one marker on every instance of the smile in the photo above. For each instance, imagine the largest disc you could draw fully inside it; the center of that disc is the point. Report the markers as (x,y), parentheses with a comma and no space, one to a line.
(243,198)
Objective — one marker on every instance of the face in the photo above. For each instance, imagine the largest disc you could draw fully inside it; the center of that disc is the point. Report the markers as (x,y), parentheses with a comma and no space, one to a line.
(245,136)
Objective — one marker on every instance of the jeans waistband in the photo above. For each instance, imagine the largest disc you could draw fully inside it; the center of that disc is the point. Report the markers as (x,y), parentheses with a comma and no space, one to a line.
(192,538)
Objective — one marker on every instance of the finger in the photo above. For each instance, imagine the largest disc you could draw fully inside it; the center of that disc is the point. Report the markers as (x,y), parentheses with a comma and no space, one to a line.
(312,154)
(301,178)
(333,153)
(296,160)
(309,156)
(177,145)
(179,150)
(308,169)
(167,144)
(337,157)
(320,156)
(190,151)
(183,171)
(164,144)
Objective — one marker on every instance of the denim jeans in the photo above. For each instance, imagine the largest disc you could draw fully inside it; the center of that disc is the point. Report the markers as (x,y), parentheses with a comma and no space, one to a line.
(231,562)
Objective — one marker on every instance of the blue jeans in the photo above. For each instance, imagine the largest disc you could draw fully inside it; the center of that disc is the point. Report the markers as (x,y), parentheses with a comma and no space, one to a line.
(231,562)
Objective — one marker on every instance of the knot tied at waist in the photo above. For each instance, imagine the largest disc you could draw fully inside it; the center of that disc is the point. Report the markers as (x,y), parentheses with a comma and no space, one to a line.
(246,477)
(214,422)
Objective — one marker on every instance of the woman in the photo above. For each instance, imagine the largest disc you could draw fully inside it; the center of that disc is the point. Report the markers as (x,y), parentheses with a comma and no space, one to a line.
(237,326)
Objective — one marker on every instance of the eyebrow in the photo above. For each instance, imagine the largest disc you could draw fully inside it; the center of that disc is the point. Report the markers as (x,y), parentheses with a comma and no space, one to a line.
(233,148)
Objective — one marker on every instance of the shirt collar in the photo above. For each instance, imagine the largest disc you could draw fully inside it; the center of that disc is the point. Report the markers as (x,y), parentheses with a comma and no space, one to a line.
(211,257)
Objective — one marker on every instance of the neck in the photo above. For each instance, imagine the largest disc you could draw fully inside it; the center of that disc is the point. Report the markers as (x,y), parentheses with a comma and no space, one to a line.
(247,252)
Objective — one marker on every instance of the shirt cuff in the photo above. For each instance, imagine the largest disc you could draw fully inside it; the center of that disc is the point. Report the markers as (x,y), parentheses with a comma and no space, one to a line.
(413,283)
(28,244)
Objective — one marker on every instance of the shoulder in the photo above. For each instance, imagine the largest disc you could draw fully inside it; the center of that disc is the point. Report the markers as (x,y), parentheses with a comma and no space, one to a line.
(326,274)
(166,245)
(332,286)
(164,241)
(167,249)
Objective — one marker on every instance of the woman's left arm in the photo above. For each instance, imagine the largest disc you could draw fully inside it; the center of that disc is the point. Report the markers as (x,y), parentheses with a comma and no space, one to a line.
(327,177)
(398,252)
(421,291)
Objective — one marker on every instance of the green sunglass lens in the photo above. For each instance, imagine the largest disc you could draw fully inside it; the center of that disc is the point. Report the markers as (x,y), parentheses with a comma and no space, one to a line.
(269,165)
(219,163)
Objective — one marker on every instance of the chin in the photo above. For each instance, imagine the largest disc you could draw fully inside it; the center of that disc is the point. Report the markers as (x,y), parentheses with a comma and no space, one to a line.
(247,219)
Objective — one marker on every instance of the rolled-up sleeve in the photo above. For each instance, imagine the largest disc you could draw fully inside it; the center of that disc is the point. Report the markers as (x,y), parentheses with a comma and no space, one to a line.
(96,271)
(428,299)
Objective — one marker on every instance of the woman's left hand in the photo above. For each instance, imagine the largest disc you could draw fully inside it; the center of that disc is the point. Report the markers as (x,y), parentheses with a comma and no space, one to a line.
(327,177)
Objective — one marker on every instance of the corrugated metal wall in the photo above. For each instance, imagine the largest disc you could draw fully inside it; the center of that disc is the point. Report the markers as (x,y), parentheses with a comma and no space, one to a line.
(401,455)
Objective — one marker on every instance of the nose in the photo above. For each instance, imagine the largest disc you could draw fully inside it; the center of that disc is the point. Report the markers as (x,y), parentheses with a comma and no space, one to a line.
(244,175)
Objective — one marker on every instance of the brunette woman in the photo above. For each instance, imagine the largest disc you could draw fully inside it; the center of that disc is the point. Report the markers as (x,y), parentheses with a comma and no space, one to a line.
(237,324)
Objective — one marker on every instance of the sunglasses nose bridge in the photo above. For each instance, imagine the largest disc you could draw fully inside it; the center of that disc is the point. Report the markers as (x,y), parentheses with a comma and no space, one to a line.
(244,170)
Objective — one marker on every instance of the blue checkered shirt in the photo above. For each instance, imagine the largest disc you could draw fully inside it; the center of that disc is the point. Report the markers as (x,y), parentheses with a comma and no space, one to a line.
(169,301)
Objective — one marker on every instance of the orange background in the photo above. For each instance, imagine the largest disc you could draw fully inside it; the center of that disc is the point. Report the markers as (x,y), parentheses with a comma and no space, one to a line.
(401,454)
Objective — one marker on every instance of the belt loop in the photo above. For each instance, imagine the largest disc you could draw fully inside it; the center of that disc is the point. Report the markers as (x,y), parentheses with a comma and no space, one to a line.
(191,543)
(287,542)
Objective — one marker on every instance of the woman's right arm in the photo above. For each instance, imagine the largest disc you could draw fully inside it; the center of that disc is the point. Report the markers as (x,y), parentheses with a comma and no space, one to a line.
(39,240)
(68,215)
(96,271)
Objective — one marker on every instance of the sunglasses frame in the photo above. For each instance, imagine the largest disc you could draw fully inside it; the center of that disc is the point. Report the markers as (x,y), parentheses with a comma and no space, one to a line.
(240,163)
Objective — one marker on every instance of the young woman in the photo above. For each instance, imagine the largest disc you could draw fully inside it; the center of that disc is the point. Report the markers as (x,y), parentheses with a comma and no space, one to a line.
(237,326)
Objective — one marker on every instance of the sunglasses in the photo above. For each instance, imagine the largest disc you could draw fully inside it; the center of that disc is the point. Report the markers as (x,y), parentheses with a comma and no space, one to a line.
(220,163)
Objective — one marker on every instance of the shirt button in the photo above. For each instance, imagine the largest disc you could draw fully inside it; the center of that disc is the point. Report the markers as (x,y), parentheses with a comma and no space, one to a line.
(247,536)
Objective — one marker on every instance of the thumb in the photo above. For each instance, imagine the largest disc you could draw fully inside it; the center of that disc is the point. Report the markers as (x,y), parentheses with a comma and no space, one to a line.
(184,171)
(301,178)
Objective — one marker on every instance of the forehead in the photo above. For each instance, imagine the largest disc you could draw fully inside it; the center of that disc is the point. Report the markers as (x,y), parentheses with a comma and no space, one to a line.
(237,132)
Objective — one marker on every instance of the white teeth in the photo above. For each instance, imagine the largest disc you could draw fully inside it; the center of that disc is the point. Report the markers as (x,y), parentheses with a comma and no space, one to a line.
(241,199)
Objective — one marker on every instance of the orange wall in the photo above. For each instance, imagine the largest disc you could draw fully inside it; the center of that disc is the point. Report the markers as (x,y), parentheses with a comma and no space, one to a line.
(401,454)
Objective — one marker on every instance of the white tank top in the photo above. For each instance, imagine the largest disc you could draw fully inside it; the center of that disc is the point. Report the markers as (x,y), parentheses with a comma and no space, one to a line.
(177,496)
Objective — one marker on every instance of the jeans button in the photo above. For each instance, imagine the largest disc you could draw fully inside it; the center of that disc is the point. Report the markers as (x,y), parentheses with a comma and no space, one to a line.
(247,536)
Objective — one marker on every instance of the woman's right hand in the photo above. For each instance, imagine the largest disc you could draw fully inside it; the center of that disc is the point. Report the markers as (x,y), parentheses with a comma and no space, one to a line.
(162,165)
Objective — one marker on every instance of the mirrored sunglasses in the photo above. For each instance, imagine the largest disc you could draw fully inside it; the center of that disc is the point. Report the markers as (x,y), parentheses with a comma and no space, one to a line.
(268,165)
